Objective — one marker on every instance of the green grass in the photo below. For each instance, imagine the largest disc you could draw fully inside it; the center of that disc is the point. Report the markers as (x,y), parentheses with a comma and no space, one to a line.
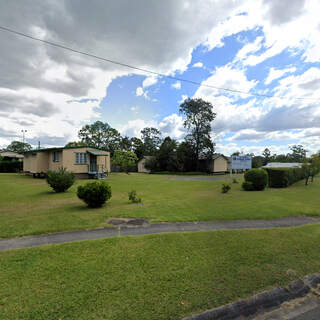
(29,206)
(164,276)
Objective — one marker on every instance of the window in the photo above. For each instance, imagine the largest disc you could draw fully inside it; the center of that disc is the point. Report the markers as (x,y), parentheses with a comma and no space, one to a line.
(81,158)
(56,156)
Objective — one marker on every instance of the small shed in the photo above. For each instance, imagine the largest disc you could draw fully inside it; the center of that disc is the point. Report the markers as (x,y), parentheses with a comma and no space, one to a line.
(141,164)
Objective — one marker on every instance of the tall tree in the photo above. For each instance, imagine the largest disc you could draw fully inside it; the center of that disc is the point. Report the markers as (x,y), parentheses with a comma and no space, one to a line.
(151,138)
(186,156)
(126,144)
(137,147)
(100,135)
(267,156)
(298,153)
(167,155)
(198,117)
(19,147)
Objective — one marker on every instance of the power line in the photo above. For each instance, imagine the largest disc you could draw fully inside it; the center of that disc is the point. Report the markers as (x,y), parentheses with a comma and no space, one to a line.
(199,84)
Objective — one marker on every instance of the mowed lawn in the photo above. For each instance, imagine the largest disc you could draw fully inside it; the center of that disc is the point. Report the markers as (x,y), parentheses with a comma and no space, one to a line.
(29,206)
(165,276)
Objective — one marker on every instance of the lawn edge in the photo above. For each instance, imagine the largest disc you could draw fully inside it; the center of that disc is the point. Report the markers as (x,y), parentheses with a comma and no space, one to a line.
(262,302)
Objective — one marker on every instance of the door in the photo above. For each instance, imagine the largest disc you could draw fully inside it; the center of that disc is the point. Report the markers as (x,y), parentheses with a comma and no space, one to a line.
(93,163)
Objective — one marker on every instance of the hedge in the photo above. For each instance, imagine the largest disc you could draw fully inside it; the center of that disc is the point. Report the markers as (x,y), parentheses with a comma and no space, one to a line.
(11,166)
(284,177)
(258,179)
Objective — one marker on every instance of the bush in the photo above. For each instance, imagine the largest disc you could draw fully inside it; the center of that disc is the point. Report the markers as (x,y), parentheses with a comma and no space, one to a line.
(247,186)
(133,197)
(60,180)
(225,188)
(234,180)
(284,177)
(258,178)
(94,194)
(10,166)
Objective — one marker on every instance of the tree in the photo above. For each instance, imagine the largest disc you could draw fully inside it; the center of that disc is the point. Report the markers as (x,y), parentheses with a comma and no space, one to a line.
(19,147)
(257,161)
(167,155)
(75,144)
(137,147)
(125,143)
(237,153)
(298,153)
(151,138)
(124,159)
(186,156)
(198,117)
(267,156)
(311,167)
(100,135)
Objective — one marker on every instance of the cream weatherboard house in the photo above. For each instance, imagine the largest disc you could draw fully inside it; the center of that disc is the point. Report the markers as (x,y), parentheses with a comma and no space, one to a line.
(83,161)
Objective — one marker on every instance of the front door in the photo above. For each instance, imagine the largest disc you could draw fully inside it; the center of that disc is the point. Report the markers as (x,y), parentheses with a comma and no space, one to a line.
(93,163)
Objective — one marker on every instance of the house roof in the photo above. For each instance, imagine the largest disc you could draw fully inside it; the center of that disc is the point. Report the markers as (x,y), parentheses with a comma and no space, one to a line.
(98,152)
(11,154)
(283,165)
(61,148)
(214,157)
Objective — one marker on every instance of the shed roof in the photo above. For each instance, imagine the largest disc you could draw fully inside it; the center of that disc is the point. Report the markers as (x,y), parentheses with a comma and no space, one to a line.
(98,152)
(61,148)
(283,165)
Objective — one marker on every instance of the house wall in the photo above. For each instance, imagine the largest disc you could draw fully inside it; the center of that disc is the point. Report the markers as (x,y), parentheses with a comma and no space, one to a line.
(220,165)
(69,160)
(42,162)
(141,166)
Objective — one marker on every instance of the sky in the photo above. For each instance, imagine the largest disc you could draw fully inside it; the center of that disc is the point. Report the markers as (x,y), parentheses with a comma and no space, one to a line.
(261,47)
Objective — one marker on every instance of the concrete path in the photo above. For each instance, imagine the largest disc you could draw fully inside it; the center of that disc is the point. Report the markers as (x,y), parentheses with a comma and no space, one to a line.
(79,235)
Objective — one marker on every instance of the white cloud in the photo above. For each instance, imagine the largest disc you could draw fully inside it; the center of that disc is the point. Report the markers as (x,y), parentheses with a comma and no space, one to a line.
(198,65)
(278,73)
(172,126)
(149,81)
(176,85)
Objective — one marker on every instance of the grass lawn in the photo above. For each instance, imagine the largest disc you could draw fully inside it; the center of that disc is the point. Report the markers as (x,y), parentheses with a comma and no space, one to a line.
(164,276)
(29,206)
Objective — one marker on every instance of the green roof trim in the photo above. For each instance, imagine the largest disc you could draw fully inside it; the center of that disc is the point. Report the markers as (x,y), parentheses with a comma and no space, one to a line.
(98,152)
(61,148)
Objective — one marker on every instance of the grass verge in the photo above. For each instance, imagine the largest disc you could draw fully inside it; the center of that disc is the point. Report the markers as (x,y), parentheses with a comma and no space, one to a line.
(152,277)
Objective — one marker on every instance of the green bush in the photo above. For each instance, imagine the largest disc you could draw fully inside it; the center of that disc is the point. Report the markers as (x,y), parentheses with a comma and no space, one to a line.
(258,178)
(94,194)
(10,166)
(284,177)
(225,188)
(234,180)
(60,180)
(133,197)
(247,186)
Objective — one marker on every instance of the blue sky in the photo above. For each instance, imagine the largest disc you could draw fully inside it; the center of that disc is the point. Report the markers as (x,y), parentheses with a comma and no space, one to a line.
(262,47)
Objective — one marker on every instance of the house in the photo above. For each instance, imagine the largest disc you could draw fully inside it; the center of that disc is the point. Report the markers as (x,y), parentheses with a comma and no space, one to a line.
(9,155)
(217,164)
(283,165)
(85,162)
(141,164)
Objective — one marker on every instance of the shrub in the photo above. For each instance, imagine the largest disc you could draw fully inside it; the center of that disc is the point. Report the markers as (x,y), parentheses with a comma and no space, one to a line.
(133,197)
(234,180)
(258,178)
(10,166)
(247,186)
(225,188)
(94,194)
(60,180)
(284,177)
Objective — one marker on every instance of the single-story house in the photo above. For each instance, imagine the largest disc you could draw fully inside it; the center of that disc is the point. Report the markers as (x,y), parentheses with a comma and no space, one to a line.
(283,165)
(9,155)
(217,164)
(141,164)
(83,161)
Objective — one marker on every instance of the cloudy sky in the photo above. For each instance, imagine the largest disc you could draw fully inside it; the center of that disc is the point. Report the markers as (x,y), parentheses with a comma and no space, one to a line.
(266,47)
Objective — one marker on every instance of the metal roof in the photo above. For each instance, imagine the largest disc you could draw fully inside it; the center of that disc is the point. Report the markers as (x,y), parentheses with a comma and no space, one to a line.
(283,165)
(98,152)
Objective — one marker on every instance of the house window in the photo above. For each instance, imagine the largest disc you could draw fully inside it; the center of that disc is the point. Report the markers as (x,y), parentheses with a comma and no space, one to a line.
(142,165)
(56,156)
(81,158)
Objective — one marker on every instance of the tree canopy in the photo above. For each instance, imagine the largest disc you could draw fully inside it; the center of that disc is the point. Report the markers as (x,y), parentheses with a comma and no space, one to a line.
(19,147)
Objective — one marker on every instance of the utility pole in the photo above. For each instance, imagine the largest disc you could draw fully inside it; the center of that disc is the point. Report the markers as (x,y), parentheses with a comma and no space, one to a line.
(23,132)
